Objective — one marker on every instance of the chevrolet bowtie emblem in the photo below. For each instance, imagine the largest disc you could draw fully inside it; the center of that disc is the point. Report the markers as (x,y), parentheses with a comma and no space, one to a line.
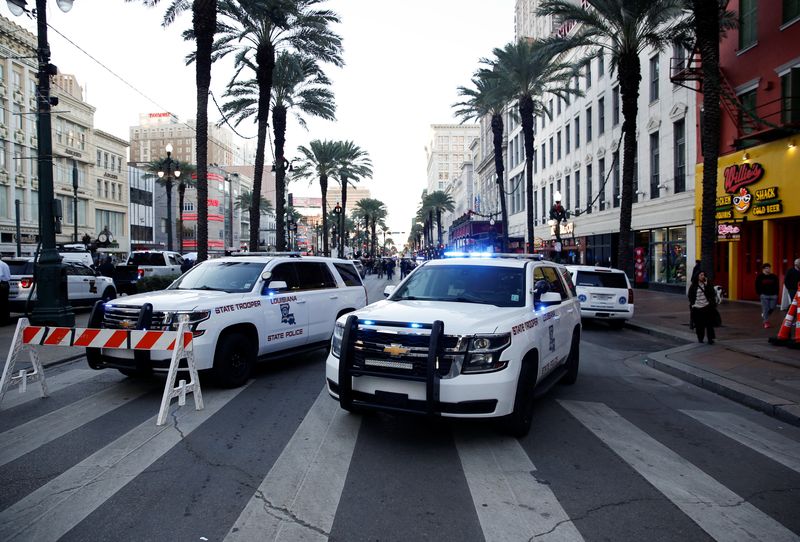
(395,350)
(125,324)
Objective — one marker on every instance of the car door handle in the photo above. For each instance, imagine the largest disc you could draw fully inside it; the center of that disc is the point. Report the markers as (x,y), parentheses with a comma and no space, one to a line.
(334,297)
(301,301)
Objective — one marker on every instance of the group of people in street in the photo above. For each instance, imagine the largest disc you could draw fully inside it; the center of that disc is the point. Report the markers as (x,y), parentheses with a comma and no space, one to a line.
(704,298)
(386,267)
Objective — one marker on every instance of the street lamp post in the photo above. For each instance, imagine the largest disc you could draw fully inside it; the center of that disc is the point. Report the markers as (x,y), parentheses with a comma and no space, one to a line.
(337,212)
(171,168)
(75,199)
(52,306)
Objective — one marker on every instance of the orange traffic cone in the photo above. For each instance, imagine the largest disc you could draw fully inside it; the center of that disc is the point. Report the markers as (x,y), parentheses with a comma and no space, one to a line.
(786,327)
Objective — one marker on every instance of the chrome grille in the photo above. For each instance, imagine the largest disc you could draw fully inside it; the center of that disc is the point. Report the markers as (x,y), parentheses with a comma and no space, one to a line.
(125,317)
(399,353)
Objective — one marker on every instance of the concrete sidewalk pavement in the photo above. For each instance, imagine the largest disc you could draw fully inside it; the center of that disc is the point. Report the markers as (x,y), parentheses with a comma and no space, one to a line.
(742,365)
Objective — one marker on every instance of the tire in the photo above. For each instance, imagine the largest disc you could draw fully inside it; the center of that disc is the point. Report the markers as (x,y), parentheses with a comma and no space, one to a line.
(616,324)
(518,423)
(233,360)
(573,361)
(109,294)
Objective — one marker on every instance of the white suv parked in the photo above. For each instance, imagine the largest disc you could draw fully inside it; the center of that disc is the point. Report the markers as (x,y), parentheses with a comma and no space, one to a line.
(465,337)
(239,309)
(604,293)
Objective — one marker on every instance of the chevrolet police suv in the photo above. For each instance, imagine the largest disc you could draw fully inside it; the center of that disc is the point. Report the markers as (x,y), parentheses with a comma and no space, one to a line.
(239,309)
(461,337)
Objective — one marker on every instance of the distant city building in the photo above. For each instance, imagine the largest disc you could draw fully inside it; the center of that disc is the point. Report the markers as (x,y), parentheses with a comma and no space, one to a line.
(447,148)
(142,219)
(155,130)
(111,196)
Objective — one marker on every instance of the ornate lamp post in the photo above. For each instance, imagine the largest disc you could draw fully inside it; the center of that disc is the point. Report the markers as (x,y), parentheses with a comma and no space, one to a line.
(170,169)
(52,307)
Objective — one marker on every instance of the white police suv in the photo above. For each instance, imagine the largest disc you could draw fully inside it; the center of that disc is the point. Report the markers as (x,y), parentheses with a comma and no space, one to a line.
(462,337)
(239,309)
(605,293)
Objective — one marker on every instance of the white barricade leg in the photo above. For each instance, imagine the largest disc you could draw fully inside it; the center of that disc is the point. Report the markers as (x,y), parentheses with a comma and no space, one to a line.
(170,390)
(24,377)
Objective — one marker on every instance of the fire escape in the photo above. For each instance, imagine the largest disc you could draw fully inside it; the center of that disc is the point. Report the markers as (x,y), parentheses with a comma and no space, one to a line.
(755,123)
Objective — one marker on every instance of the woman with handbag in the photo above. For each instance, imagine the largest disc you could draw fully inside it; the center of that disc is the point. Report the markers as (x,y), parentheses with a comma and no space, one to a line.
(703,306)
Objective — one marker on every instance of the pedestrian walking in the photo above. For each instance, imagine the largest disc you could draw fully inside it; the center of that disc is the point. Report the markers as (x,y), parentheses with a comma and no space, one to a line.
(5,285)
(106,268)
(695,271)
(792,278)
(767,289)
(703,303)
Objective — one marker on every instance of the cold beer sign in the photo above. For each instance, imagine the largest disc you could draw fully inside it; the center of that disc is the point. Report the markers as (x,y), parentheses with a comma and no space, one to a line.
(741,197)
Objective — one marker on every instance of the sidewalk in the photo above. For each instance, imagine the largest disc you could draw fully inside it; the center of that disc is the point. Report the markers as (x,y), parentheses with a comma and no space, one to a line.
(742,365)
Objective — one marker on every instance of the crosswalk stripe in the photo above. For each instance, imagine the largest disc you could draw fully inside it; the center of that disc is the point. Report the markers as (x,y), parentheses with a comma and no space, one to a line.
(511,503)
(764,441)
(60,381)
(720,512)
(298,498)
(52,510)
(27,437)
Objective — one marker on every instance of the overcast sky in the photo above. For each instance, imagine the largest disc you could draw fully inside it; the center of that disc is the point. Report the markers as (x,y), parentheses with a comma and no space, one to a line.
(403,63)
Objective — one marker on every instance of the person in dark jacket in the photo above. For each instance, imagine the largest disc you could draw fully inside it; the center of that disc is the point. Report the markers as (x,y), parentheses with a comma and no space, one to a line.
(107,267)
(703,303)
(792,278)
(767,284)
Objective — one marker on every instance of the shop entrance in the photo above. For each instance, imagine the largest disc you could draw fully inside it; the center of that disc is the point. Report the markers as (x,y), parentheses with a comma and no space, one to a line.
(788,246)
(751,254)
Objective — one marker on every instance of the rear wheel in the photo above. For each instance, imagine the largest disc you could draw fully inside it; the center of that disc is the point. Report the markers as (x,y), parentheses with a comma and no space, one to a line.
(233,360)
(518,423)
(573,360)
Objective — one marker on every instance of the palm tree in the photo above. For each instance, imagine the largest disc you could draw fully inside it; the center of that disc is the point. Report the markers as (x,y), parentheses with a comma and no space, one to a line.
(184,181)
(353,166)
(527,69)
(299,85)
(258,30)
(154,170)
(320,161)
(437,202)
(245,201)
(204,24)
(374,211)
(489,98)
(622,29)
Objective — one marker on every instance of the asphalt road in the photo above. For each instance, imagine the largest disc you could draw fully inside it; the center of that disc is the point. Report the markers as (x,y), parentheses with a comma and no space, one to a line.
(627,453)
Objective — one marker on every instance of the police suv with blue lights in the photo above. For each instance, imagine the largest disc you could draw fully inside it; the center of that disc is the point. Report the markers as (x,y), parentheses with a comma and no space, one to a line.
(464,336)
(239,309)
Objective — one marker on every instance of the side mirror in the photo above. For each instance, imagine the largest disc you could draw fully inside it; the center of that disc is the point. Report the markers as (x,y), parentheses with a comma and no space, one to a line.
(550,298)
(389,290)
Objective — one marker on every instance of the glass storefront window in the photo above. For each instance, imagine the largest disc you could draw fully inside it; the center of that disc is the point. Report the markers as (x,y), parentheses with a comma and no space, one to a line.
(667,261)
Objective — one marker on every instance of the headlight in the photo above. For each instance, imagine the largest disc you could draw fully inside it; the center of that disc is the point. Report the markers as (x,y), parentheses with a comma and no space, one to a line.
(483,354)
(336,341)
(190,318)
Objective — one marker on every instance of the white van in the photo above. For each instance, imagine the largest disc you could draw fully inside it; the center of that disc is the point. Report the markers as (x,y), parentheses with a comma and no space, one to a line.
(605,293)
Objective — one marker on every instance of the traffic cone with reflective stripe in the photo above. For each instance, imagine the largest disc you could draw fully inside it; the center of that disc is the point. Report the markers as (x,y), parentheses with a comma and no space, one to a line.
(786,327)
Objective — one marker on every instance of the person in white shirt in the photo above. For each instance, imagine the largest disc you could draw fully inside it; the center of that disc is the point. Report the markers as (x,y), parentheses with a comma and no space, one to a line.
(5,283)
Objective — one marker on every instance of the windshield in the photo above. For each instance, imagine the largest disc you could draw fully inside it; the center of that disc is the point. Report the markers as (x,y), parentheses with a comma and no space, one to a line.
(20,267)
(146,258)
(601,279)
(489,285)
(232,277)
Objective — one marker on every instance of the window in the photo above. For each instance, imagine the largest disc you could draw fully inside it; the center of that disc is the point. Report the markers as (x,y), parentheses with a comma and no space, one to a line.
(790,96)
(601,65)
(601,183)
(558,144)
(2,154)
(558,106)
(748,111)
(544,158)
(551,150)
(577,132)
(601,115)
(636,174)
(678,56)
(105,160)
(748,23)
(566,139)
(679,144)
(577,189)
(616,197)
(589,74)
(588,124)
(348,273)
(99,188)
(654,79)
(99,156)
(791,10)
(566,192)
(589,189)
(654,166)
(615,106)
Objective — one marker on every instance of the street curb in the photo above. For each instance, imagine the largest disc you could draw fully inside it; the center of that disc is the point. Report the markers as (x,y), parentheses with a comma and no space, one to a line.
(661,332)
(774,406)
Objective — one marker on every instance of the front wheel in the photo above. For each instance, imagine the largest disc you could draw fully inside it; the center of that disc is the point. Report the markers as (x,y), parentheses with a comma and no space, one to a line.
(109,294)
(233,360)
(518,423)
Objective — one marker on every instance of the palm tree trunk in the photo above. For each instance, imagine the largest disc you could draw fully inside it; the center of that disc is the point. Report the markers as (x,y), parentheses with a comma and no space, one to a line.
(343,216)
(707,30)
(181,199)
(323,187)
(438,226)
(265,61)
(170,225)
(630,76)
(204,21)
(526,114)
(499,167)
(279,131)
(374,240)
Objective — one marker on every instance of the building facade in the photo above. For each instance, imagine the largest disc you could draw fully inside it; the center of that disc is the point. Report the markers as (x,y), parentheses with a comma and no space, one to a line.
(447,148)
(112,191)
(150,137)
(758,211)
(142,217)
